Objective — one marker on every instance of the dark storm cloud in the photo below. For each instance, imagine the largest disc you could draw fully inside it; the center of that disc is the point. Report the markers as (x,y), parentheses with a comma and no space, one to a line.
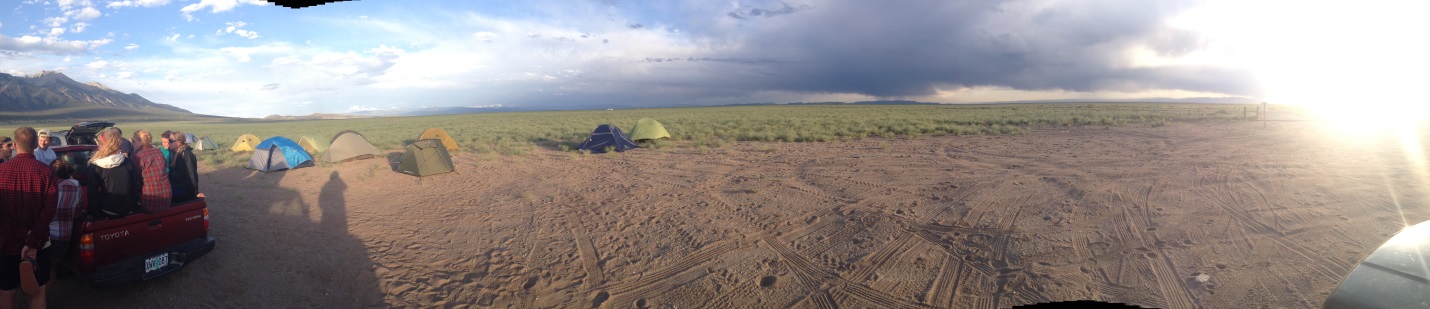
(910,48)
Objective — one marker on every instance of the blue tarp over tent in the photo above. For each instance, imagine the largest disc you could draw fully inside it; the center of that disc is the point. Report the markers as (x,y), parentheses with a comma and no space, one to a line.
(279,153)
(607,136)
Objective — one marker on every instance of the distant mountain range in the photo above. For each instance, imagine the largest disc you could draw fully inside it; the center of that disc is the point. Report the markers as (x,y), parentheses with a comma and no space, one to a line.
(52,95)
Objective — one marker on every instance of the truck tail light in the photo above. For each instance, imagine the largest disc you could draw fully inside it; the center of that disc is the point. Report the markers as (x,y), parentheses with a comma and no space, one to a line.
(206,219)
(86,249)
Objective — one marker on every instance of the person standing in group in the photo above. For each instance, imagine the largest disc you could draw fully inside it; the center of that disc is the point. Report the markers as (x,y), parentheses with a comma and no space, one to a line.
(112,178)
(124,146)
(30,192)
(65,212)
(5,148)
(164,147)
(154,182)
(43,152)
(183,168)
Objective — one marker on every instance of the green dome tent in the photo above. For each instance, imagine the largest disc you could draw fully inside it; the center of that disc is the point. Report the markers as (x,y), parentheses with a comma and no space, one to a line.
(425,157)
(205,144)
(648,129)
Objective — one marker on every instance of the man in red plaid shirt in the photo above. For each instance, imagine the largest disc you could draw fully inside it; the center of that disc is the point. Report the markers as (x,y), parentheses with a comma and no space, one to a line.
(28,190)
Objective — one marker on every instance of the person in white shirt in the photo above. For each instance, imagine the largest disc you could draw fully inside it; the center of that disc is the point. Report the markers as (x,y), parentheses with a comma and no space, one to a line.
(44,153)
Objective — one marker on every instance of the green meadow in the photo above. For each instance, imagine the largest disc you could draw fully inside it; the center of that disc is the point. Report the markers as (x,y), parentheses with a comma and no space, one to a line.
(519,133)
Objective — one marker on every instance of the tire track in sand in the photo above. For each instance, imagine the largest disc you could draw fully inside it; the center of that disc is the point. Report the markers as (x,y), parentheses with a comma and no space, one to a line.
(590,262)
(816,276)
(1330,269)
(874,262)
(699,257)
(944,289)
(1174,291)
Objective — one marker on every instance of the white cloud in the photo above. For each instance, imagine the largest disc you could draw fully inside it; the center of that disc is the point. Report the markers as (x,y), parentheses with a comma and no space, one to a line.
(66,4)
(131,46)
(360,108)
(245,54)
(125,75)
(137,3)
(237,28)
(79,27)
(246,33)
(50,45)
(97,65)
(55,21)
(172,38)
(485,36)
(217,6)
(87,13)
(347,68)
(54,32)
(2,24)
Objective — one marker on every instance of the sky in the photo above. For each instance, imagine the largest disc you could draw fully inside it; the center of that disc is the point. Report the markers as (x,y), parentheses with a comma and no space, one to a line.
(250,58)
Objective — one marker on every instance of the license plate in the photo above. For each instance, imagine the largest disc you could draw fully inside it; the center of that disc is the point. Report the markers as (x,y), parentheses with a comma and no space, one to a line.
(156,262)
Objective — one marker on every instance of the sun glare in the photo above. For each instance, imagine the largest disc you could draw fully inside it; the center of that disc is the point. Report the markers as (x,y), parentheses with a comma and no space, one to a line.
(1356,66)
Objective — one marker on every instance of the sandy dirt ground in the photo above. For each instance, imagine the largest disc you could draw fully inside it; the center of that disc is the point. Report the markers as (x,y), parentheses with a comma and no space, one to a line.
(1224,215)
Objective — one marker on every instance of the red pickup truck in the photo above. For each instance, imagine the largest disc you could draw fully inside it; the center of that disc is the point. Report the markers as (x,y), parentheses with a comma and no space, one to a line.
(136,247)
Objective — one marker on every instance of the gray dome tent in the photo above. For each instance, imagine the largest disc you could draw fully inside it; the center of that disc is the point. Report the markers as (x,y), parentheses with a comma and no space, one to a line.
(348,145)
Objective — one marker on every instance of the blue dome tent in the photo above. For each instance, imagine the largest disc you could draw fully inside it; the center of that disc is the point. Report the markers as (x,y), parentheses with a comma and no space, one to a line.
(607,136)
(279,153)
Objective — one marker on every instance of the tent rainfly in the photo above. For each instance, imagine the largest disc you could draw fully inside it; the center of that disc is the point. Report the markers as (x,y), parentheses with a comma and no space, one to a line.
(310,145)
(204,144)
(279,153)
(246,142)
(607,136)
(648,129)
(441,135)
(424,158)
(348,145)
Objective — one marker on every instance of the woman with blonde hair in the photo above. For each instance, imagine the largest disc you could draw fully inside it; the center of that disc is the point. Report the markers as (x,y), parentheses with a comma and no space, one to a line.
(154,191)
(113,182)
